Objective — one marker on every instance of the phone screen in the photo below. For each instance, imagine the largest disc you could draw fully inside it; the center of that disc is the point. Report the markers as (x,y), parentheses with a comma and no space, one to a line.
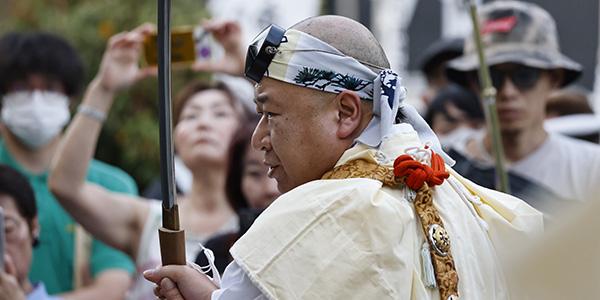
(203,44)
(188,44)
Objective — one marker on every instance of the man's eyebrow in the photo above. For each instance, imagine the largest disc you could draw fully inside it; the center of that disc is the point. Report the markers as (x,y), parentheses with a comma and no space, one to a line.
(261,99)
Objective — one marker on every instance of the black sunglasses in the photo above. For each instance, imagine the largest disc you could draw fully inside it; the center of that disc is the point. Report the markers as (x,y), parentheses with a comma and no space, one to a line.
(522,77)
(262,50)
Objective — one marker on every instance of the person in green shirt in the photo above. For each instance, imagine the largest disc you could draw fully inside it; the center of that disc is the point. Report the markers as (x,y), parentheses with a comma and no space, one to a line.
(39,75)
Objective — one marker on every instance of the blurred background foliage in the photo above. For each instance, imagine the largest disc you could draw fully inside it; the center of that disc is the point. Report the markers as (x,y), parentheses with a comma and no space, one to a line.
(130,136)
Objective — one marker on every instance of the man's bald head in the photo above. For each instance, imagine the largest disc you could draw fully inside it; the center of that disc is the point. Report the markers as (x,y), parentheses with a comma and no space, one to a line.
(348,36)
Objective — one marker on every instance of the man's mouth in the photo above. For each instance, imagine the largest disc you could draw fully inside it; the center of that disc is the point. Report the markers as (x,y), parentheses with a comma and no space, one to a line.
(272,168)
(508,114)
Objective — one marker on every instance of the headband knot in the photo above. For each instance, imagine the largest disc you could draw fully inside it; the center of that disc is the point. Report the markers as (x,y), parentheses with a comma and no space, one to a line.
(388,95)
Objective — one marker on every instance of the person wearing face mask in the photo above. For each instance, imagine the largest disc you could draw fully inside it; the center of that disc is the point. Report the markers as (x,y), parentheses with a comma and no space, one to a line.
(39,74)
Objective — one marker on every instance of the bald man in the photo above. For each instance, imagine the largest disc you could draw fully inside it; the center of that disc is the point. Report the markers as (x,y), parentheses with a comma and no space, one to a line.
(370,210)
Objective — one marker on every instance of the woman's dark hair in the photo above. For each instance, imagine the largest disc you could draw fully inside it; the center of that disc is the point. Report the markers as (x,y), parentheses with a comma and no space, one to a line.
(45,53)
(460,97)
(16,186)
(237,152)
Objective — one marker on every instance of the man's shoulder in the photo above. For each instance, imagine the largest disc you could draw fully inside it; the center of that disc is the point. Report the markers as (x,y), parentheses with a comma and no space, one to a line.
(563,152)
(111,178)
(330,193)
(334,189)
(574,144)
(344,200)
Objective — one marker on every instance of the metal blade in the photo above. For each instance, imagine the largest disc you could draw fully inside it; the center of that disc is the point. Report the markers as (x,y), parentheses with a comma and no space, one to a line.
(165,124)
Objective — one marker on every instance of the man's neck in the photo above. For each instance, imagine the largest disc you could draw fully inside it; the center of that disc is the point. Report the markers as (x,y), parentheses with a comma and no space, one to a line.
(34,161)
(518,144)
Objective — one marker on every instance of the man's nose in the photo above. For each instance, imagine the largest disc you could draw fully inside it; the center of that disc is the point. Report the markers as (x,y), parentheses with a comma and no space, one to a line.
(260,138)
(506,88)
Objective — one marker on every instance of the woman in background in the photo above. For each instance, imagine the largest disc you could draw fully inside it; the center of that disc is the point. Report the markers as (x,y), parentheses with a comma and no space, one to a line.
(249,189)
(207,117)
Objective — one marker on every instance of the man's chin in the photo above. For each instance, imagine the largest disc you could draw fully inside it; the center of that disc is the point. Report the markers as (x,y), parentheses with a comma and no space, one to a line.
(508,131)
(284,188)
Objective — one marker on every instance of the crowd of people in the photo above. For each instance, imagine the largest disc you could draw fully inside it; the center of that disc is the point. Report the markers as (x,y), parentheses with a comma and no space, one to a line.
(336,189)
(40,74)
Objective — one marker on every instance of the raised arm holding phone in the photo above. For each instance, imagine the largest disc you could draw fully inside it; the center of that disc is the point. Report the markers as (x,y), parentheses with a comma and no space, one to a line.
(229,36)
(206,118)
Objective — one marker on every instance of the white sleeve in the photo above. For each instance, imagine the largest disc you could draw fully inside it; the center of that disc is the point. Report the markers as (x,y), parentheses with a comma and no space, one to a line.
(237,285)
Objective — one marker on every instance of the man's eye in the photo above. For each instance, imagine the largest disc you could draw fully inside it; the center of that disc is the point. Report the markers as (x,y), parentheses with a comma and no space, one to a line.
(267,114)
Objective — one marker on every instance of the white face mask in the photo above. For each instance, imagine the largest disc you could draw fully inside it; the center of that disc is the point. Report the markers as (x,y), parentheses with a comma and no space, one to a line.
(35,117)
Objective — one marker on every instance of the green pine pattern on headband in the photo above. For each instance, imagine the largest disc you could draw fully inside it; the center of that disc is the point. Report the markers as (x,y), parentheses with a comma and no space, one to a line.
(310,77)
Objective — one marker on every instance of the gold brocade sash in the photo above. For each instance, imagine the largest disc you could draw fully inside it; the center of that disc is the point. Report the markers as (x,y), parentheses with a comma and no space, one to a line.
(433,227)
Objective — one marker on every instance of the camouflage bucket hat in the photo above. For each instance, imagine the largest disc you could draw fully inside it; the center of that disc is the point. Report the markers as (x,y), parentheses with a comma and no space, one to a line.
(515,32)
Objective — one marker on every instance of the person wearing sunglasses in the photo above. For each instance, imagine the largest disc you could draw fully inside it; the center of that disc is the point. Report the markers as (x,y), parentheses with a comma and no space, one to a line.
(546,170)
(370,203)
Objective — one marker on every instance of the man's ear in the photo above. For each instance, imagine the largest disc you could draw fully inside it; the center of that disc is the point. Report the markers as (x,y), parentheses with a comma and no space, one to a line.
(349,113)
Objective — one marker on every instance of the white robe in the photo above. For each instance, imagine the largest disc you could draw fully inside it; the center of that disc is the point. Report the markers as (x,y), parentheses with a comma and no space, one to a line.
(356,239)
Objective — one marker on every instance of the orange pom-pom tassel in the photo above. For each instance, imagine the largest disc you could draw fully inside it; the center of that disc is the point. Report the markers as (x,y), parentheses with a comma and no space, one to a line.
(419,173)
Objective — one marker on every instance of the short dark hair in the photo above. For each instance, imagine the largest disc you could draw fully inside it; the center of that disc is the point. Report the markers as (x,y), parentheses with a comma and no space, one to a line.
(15,185)
(463,98)
(439,52)
(22,54)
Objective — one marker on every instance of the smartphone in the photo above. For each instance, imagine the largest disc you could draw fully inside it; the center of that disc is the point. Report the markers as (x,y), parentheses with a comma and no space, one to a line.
(2,241)
(188,45)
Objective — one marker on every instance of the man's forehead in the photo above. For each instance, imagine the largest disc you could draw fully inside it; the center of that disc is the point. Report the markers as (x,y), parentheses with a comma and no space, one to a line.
(259,97)
(264,89)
